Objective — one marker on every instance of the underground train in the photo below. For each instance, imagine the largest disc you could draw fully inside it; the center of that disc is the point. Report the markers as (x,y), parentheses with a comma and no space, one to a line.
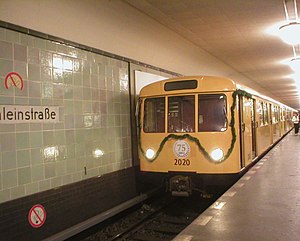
(199,128)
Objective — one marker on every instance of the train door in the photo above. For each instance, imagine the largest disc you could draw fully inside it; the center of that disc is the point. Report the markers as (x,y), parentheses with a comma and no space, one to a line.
(246,118)
(254,125)
(281,121)
(271,123)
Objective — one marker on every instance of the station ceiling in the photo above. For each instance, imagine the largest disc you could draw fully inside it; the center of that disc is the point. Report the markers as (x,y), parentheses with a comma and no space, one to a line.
(235,32)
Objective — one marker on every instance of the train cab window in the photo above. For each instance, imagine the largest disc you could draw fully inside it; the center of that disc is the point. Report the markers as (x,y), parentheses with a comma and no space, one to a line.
(212,112)
(154,115)
(181,114)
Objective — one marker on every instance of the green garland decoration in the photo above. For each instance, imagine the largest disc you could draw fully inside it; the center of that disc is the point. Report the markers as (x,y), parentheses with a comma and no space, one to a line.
(236,93)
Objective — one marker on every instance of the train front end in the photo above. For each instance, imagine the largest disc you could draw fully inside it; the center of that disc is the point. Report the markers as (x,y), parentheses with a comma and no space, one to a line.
(187,129)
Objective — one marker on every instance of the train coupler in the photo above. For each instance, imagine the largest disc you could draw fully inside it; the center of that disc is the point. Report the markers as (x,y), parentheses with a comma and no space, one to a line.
(180,186)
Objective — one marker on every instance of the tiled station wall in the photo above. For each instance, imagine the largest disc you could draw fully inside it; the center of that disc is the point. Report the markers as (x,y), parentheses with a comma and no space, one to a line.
(92,136)
(78,166)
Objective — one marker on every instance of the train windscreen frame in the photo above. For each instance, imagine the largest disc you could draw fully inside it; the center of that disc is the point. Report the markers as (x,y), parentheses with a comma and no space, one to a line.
(212,113)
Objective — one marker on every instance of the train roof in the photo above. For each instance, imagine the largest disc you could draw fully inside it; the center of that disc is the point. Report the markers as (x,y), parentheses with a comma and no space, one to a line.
(204,84)
(263,97)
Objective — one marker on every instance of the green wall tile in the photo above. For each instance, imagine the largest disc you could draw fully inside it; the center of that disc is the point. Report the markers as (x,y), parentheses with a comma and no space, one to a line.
(17,192)
(20,52)
(12,36)
(6,50)
(48,138)
(50,170)
(24,175)
(56,182)
(31,188)
(9,160)
(9,179)
(22,140)
(36,156)
(36,139)
(2,33)
(23,158)
(44,185)
(37,173)
(8,142)
(4,195)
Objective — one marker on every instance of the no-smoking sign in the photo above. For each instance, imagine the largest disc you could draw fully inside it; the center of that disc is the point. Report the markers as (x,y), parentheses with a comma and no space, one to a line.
(37,216)
(14,79)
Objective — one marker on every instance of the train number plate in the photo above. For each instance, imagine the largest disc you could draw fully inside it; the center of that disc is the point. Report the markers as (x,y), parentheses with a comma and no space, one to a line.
(182,162)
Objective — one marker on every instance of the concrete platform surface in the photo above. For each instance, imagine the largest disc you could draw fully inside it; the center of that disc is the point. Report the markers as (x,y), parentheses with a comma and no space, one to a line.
(264,205)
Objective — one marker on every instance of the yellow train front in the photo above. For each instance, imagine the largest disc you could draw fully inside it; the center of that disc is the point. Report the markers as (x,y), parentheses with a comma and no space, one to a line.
(195,127)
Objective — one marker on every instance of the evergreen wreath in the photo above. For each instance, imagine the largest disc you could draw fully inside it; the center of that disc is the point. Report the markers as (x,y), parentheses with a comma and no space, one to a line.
(236,93)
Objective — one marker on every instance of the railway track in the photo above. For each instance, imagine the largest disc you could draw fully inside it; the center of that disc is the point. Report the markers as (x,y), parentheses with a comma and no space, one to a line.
(169,221)
(159,219)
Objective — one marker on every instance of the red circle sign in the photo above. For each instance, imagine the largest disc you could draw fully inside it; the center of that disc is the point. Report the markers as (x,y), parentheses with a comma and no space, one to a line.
(37,216)
(14,79)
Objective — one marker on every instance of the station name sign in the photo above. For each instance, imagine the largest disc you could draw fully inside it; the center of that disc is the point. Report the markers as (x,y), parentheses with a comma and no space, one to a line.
(12,114)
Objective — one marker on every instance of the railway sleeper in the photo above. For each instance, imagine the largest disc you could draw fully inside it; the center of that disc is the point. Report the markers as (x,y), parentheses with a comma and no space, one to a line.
(177,220)
(145,237)
(166,228)
(152,235)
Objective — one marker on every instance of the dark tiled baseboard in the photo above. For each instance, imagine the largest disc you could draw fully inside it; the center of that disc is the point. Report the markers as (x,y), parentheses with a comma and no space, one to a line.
(67,205)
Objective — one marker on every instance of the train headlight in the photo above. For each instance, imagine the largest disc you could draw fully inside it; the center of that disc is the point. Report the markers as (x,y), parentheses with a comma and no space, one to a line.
(150,154)
(217,154)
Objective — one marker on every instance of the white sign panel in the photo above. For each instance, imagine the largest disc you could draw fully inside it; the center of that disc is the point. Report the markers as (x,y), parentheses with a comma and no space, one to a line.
(142,79)
(12,114)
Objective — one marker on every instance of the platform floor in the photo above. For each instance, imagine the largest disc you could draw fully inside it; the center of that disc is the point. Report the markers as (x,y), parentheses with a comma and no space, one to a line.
(264,205)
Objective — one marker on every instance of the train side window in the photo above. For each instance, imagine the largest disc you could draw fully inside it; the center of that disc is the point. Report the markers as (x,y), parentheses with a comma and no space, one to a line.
(154,115)
(181,114)
(276,114)
(260,112)
(212,112)
(265,113)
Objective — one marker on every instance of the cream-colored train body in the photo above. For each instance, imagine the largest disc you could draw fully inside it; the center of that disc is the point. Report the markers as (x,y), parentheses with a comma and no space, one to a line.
(205,125)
